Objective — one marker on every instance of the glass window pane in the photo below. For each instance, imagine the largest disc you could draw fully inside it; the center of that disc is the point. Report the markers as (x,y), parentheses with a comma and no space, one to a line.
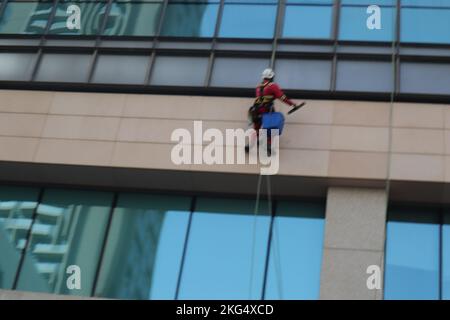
(248,21)
(296,252)
(247,1)
(425,3)
(16,212)
(92,14)
(430,24)
(133,19)
(370,2)
(25,17)
(238,72)
(64,67)
(412,254)
(366,76)
(186,71)
(446,256)
(353,24)
(219,261)
(190,20)
(303,74)
(145,246)
(432,78)
(16,66)
(308,22)
(68,230)
(121,69)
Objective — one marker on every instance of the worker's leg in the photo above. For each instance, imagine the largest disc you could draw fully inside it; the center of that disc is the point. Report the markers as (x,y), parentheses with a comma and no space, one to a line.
(254,137)
(269,143)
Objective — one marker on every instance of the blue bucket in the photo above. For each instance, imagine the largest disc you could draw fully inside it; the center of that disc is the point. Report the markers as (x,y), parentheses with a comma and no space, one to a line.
(273,120)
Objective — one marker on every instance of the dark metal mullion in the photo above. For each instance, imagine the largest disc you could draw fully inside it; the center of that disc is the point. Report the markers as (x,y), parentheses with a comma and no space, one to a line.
(37,61)
(105,241)
(3,7)
(441,248)
(185,246)
(27,241)
(92,65)
(98,40)
(161,21)
(104,22)
(336,17)
(278,26)
(397,75)
(398,20)
(212,55)
(155,43)
(148,76)
(397,49)
(209,69)
(43,40)
(268,249)
(50,21)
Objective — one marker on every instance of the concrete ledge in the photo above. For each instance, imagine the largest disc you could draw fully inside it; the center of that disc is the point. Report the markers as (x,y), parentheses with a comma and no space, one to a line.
(173,181)
(25,295)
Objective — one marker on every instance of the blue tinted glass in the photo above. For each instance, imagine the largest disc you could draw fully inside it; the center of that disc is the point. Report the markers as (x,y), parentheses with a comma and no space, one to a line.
(91,18)
(369,2)
(426,25)
(315,2)
(303,74)
(365,76)
(308,22)
(446,256)
(412,256)
(193,20)
(251,1)
(353,24)
(144,247)
(237,72)
(16,212)
(133,19)
(226,251)
(296,252)
(68,231)
(430,78)
(426,3)
(248,21)
(25,17)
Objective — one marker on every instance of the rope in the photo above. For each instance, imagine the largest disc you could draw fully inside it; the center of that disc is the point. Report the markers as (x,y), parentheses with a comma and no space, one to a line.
(255,216)
(273,246)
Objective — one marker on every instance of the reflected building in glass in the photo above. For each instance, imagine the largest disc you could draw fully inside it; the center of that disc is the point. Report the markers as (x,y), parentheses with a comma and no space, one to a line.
(25,17)
(87,176)
(130,274)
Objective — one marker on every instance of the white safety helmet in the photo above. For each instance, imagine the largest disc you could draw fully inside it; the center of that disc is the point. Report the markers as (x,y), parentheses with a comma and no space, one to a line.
(268,74)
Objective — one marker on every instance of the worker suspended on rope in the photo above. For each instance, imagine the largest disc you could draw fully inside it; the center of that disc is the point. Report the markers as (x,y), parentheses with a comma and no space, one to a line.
(266,94)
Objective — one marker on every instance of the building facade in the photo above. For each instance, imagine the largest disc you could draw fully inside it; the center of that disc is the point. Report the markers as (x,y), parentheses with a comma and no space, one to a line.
(359,208)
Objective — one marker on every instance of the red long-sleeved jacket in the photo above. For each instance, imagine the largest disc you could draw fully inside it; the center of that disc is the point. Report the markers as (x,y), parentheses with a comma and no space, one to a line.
(271,91)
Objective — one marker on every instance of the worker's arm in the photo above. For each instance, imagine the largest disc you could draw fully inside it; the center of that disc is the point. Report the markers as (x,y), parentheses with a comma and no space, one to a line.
(279,94)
